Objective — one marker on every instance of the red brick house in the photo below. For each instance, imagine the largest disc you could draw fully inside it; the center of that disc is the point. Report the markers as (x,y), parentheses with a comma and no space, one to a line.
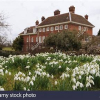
(33,36)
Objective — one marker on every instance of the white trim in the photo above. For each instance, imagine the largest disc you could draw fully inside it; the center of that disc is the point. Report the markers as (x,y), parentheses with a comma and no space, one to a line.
(70,16)
(66,23)
(29,34)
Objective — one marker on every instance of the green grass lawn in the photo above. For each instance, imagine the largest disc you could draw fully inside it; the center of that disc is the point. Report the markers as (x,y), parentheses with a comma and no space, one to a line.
(7,49)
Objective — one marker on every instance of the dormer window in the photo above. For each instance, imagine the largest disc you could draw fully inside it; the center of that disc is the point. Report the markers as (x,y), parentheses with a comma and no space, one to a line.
(34,30)
(66,26)
(56,28)
(52,28)
(25,31)
(47,29)
(79,28)
(61,27)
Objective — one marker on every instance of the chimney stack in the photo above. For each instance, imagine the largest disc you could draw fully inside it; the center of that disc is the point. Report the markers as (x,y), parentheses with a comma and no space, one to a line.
(37,22)
(86,16)
(43,18)
(72,9)
(56,12)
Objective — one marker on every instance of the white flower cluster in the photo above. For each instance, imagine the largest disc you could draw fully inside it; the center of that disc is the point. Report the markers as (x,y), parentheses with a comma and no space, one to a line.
(1,88)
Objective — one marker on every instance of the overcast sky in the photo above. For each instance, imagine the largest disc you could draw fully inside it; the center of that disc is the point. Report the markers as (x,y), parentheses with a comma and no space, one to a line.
(24,13)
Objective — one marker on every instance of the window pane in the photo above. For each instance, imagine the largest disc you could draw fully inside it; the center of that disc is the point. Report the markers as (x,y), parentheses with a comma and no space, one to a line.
(66,26)
(56,27)
(79,28)
(47,29)
(32,39)
(43,29)
(52,28)
(61,27)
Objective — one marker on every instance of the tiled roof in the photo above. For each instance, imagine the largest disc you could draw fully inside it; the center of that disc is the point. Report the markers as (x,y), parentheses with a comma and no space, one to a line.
(80,19)
(65,18)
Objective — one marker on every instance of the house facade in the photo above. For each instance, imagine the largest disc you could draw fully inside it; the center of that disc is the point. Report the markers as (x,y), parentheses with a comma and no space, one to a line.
(58,22)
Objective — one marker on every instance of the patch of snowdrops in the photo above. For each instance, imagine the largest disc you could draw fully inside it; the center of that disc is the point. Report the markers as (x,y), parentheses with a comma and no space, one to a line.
(49,71)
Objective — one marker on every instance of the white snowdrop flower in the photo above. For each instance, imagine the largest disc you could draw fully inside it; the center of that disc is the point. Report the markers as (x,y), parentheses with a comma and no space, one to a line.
(91,77)
(43,73)
(15,78)
(52,76)
(55,82)
(92,71)
(81,85)
(27,78)
(81,72)
(6,61)
(27,67)
(28,62)
(25,88)
(80,77)
(28,90)
(91,81)
(88,84)
(1,70)
(19,78)
(48,75)
(22,79)
(33,78)
(74,87)
(67,69)
(29,73)
(31,83)
(6,71)
(1,89)
(74,80)
(9,73)
(59,67)
(23,74)
(45,62)
(0,66)
(77,84)
(73,74)
(5,66)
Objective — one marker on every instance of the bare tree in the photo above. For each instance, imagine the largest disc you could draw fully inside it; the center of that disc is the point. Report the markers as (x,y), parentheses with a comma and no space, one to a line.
(3,30)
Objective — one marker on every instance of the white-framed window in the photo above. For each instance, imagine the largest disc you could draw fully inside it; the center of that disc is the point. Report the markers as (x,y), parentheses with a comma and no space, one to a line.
(56,27)
(47,29)
(52,28)
(34,30)
(43,29)
(27,39)
(40,30)
(36,39)
(65,26)
(79,28)
(40,39)
(85,29)
(43,38)
(32,39)
(61,27)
